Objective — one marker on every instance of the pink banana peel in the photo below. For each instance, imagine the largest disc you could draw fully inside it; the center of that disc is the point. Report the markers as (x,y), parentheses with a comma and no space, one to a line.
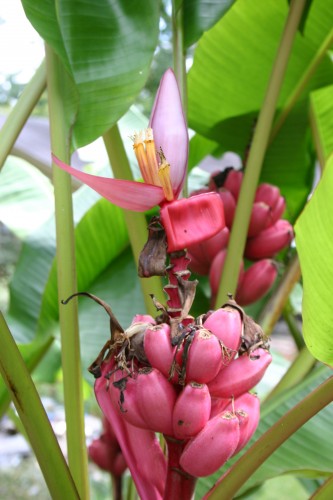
(191,411)
(140,447)
(256,281)
(241,375)
(270,241)
(219,439)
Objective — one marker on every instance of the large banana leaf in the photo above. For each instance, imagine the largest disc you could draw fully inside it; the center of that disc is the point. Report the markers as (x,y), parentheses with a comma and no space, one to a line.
(106,47)
(314,241)
(308,453)
(322,122)
(200,15)
(229,76)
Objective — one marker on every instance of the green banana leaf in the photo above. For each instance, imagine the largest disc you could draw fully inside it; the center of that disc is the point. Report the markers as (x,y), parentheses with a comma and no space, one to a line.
(106,47)
(314,241)
(308,453)
(227,82)
(322,122)
(200,15)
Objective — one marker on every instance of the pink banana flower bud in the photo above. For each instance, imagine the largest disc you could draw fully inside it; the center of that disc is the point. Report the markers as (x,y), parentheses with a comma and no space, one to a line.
(241,375)
(256,281)
(260,216)
(162,158)
(233,182)
(247,410)
(226,323)
(268,194)
(212,446)
(156,398)
(270,241)
(191,411)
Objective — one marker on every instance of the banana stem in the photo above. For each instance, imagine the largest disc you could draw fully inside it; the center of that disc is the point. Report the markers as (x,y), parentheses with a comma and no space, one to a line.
(34,418)
(66,270)
(256,155)
(21,112)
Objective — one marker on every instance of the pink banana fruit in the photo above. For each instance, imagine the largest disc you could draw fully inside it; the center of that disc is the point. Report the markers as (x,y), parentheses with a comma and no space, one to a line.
(233,182)
(216,269)
(256,281)
(241,375)
(226,323)
(218,405)
(156,398)
(124,398)
(205,357)
(202,254)
(277,211)
(247,410)
(267,193)
(158,348)
(260,216)
(270,241)
(229,205)
(191,411)
(212,446)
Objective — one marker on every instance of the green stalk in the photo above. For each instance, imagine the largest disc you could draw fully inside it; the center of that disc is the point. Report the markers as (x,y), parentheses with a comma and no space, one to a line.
(135,221)
(21,112)
(289,318)
(67,285)
(256,156)
(242,470)
(325,492)
(274,307)
(296,373)
(302,83)
(179,58)
(34,418)
(31,360)
(179,62)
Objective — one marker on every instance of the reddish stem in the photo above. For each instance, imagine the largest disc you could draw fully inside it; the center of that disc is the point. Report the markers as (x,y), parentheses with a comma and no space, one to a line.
(179,485)
(177,267)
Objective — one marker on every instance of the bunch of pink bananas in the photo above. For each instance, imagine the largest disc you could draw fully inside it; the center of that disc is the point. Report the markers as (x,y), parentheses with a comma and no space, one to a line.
(267,235)
(193,388)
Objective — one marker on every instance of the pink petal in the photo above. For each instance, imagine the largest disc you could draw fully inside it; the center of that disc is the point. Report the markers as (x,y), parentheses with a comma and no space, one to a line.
(170,130)
(140,447)
(125,194)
